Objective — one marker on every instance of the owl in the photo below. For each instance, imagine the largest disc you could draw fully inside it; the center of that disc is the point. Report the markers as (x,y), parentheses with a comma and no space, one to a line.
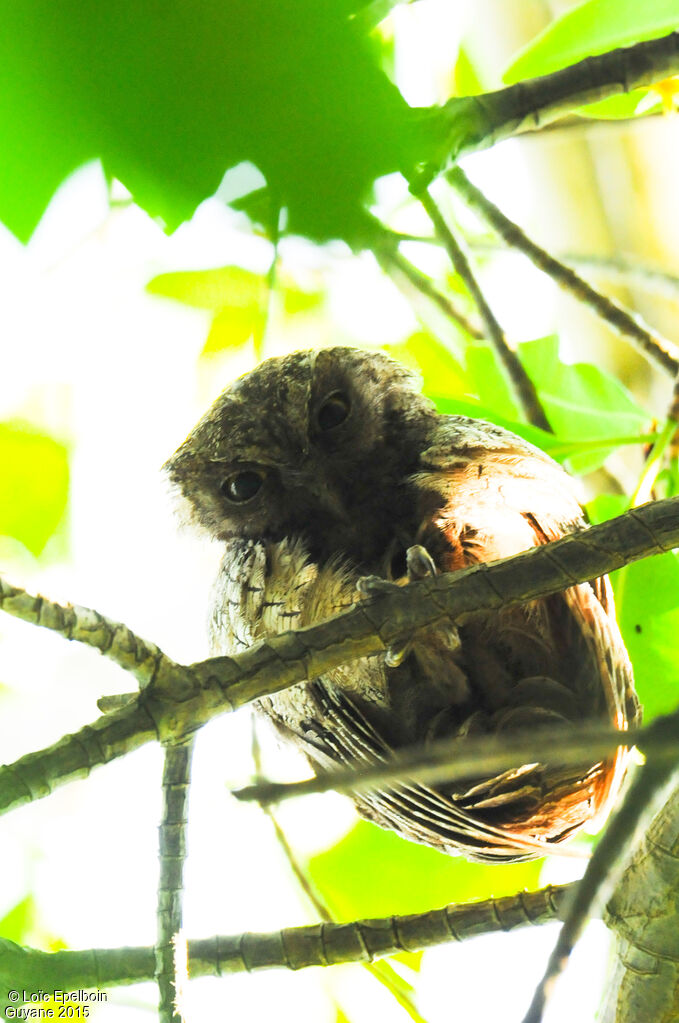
(320,471)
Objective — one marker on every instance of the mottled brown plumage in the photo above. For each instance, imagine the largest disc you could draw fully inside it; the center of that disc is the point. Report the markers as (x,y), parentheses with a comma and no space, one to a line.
(320,468)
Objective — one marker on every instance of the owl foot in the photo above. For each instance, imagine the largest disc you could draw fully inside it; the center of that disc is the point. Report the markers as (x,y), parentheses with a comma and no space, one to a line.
(419,566)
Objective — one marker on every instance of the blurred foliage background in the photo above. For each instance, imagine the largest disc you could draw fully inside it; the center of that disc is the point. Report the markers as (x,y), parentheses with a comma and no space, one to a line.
(184,190)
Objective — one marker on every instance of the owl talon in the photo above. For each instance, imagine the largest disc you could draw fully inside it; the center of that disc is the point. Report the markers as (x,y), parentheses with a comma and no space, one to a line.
(374,586)
(419,563)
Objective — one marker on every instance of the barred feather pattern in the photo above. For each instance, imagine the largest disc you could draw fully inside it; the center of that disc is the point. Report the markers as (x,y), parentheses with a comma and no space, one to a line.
(351,467)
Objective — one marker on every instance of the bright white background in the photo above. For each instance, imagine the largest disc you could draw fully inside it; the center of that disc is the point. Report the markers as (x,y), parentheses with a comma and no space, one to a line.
(114,372)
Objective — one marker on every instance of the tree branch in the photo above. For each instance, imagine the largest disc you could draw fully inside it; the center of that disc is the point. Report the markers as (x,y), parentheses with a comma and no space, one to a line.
(184,697)
(602,871)
(659,350)
(643,915)
(384,246)
(519,381)
(172,856)
(458,758)
(469,123)
(294,948)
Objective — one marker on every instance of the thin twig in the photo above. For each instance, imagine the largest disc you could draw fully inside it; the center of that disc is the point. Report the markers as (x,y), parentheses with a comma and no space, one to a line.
(184,697)
(522,385)
(660,351)
(602,872)
(656,456)
(458,758)
(627,270)
(385,249)
(294,948)
(383,972)
(172,855)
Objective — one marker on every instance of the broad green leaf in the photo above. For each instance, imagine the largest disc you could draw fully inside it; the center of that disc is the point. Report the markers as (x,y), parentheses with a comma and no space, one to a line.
(170,96)
(647,606)
(18,923)
(439,369)
(647,603)
(33,487)
(488,381)
(466,79)
(222,288)
(581,401)
(295,300)
(590,28)
(617,107)
(372,872)
(233,328)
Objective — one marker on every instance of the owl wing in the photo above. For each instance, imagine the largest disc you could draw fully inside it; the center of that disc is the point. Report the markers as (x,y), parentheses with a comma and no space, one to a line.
(420,812)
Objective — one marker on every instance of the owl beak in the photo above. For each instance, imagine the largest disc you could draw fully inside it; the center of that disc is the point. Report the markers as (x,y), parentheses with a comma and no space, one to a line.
(326,496)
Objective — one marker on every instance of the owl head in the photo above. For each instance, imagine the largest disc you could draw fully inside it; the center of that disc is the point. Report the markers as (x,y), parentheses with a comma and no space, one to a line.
(315,445)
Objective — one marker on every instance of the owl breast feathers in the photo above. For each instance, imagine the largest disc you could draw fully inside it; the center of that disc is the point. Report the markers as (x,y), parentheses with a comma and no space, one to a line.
(319,468)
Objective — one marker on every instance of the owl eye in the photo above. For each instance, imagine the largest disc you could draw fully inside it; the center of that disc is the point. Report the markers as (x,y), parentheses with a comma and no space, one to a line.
(242,486)
(333,411)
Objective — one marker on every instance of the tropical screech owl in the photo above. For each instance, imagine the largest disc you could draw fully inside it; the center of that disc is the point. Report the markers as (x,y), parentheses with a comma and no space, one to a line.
(322,467)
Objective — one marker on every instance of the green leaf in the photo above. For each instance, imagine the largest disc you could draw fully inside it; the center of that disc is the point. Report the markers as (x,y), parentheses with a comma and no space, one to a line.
(466,75)
(489,382)
(34,485)
(19,922)
(617,107)
(581,401)
(647,603)
(372,872)
(439,369)
(218,289)
(647,607)
(169,97)
(590,28)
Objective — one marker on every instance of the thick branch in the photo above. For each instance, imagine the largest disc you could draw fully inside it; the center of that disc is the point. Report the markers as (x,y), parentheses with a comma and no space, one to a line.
(643,913)
(601,874)
(182,698)
(469,123)
(294,948)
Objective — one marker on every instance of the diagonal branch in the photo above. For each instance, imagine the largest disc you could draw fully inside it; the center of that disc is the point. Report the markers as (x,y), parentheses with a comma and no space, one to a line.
(521,384)
(602,872)
(656,348)
(384,245)
(458,758)
(469,123)
(184,697)
(324,944)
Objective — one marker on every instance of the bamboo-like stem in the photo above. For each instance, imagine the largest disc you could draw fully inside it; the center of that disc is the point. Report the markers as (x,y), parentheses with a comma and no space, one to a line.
(294,948)
(184,697)
(172,855)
